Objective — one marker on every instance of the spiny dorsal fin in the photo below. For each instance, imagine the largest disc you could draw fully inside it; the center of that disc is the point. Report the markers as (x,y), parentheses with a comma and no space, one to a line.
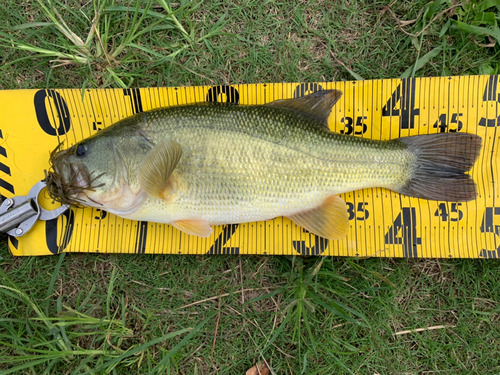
(157,167)
(330,220)
(317,105)
(196,227)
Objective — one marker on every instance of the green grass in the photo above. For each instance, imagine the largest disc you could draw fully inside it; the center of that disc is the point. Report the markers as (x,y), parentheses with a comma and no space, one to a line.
(194,43)
(289,314)
(204,315)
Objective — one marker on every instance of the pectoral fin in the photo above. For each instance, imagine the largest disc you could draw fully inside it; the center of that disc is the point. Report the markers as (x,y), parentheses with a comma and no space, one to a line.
(330,220)
(157,167)
(197,227)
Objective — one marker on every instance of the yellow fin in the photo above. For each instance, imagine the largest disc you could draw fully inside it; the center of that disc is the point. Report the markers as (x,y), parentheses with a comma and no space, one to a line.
(157,167)
(330,220)
(316,106)
(197,227)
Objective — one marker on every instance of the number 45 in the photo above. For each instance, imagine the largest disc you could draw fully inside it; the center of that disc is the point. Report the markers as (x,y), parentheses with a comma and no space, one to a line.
(443,125)
(455,213)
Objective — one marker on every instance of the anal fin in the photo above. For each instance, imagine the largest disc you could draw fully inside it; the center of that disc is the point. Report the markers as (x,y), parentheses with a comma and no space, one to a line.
(330,220)
(196,227)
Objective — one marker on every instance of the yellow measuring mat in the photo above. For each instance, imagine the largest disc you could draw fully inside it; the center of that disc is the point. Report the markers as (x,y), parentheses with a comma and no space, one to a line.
(382,223)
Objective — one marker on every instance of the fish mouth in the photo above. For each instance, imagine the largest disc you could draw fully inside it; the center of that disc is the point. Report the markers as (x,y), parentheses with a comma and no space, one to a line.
(67,182)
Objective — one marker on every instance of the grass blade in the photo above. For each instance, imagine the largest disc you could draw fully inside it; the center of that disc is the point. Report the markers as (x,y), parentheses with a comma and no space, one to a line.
(17,369)
(29,25)
(265,296)
(278,332)
(477,30)
(340,309)
(125,9)
(177,347)
(112,363)
(356,76)
(110,293)
(53,279)
(421,62)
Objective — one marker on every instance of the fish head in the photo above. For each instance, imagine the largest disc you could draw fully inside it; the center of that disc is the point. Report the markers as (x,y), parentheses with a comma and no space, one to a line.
(92,173)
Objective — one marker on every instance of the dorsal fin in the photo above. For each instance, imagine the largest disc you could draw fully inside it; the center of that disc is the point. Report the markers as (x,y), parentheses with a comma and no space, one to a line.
(316,106)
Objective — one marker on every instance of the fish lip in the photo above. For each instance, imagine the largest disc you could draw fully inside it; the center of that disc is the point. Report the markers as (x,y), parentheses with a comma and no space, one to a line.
(67,182)
(70,173)
(80,179)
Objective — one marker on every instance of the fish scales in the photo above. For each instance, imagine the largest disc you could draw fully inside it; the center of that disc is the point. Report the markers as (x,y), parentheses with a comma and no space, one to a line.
(250,163)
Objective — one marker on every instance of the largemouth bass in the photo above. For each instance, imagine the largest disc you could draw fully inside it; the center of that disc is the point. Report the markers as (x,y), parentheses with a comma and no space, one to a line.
(199,165)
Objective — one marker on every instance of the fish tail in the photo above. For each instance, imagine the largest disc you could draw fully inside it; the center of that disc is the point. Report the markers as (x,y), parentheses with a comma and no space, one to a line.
(441,163)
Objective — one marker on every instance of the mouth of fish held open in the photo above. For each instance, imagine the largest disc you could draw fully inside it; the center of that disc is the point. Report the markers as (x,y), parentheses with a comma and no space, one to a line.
(67,182)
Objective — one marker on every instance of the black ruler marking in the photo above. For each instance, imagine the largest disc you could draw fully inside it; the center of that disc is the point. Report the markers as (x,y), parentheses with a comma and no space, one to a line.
(5,169)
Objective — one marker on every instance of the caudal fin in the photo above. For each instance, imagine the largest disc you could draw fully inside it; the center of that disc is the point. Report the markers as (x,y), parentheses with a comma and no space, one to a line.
(442,160)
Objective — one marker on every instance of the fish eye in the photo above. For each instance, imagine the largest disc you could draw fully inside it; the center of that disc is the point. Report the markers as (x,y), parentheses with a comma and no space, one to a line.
(81,150)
